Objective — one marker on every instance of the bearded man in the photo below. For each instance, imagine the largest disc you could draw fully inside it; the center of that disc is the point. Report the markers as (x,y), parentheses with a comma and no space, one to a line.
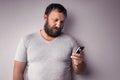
(48,54)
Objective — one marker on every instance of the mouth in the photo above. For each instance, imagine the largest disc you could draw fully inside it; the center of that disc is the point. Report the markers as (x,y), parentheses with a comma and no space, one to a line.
(56,29)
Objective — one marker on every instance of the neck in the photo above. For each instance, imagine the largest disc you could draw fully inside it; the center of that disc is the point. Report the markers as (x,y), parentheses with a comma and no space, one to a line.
(45,36)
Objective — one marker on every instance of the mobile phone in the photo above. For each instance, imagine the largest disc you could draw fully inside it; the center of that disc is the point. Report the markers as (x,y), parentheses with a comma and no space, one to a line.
(79,49)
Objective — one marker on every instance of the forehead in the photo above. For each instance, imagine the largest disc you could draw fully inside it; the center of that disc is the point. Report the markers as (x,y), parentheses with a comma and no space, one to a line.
(56,15)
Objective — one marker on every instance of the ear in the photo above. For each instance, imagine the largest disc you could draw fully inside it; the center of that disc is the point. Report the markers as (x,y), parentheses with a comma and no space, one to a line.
(45,18)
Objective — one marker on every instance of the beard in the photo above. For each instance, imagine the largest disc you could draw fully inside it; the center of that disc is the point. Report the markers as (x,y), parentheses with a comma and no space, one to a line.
(52,31)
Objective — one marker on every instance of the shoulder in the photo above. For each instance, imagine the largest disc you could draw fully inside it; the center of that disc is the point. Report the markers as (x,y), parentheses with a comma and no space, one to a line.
(67,37)
(28,37)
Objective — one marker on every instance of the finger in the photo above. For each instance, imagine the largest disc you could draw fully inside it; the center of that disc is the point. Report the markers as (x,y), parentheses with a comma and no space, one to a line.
(81,53)
(76,58)
(78,55)
(74,54)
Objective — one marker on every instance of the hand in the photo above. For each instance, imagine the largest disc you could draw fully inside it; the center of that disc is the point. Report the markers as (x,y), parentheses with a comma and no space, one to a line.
(77,58)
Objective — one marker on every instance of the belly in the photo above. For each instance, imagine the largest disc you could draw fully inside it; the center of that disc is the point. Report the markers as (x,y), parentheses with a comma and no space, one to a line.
(49,70)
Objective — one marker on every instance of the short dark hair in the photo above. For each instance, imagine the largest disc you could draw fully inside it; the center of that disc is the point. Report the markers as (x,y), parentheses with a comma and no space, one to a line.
(57,6)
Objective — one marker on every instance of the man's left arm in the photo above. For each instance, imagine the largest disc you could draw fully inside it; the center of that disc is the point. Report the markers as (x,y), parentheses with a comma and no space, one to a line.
(78,63)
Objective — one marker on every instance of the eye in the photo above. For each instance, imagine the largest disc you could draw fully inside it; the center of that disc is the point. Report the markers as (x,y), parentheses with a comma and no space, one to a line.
(56,20)
(62,21)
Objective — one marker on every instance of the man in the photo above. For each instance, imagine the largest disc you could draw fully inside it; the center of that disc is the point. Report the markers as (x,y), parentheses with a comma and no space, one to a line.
(48,54)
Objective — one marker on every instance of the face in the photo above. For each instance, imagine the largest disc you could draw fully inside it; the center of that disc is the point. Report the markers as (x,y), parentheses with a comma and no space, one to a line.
(54,23)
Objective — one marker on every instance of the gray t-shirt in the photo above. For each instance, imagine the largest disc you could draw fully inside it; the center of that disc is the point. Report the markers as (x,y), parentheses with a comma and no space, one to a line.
(46,60)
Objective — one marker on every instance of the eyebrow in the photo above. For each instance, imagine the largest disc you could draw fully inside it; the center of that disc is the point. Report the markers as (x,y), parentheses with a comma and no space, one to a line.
(58,19)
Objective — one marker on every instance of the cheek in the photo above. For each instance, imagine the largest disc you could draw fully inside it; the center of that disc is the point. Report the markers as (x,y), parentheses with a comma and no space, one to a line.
(51,23)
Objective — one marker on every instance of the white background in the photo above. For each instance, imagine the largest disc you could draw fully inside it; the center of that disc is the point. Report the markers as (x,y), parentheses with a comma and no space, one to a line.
(93,23)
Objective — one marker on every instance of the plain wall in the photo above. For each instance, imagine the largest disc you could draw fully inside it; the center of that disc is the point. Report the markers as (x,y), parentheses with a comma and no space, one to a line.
(93,23)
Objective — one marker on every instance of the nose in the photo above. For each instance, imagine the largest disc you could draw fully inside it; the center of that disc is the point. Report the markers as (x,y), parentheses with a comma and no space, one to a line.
(58,24)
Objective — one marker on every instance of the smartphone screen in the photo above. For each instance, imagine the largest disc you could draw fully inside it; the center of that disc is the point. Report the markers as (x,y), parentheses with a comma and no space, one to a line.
(79,49)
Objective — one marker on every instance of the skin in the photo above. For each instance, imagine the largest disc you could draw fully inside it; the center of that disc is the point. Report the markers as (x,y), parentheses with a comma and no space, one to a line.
(78,63)
(56,19)
(19,68)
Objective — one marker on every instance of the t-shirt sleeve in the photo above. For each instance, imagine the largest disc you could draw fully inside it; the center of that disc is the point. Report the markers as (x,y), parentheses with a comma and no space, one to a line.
(21,52)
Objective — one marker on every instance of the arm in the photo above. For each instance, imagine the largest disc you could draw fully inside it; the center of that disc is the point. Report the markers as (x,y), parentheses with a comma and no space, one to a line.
(18,73)
(80,68)
(78,64)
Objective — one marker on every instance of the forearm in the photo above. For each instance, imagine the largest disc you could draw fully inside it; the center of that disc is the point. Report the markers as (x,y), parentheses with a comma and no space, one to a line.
(18,72)
(80,68)
(18,76)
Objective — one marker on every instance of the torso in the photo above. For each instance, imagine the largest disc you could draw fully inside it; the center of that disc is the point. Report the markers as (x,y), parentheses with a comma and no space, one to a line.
(48,60)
